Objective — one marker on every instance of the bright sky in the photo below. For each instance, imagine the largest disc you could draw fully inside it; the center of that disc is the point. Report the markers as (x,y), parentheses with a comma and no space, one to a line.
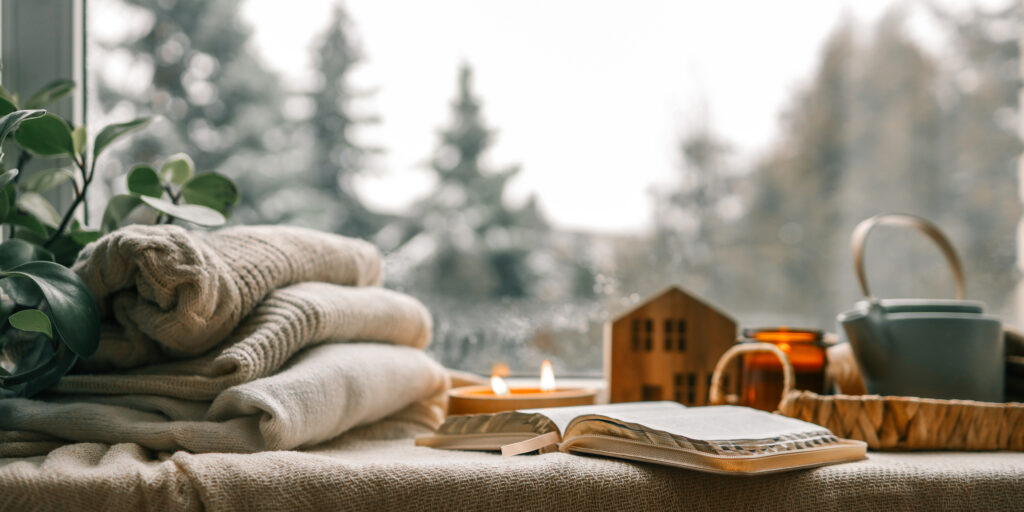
(589,96)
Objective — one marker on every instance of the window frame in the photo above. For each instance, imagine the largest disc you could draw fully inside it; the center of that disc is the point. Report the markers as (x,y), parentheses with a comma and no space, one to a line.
(42,41)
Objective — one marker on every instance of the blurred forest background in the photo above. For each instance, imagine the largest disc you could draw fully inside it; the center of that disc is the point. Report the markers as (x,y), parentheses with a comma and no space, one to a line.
(881,122)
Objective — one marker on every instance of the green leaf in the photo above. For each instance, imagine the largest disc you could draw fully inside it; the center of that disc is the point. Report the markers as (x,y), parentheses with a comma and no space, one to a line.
(57,367)
(14,252)
(6,106)
(7,177)
(5,205)
(194,213)
(31,320)
(65,249)
(85,237)
(142,180)
(78,138)
(212,190)
(22,291)
(28,222)
(118,209)
(7,306)
(177,169)
(48,135)
(41,359)
(12,194)
(50,92)
(76,317)
(11,121)
(49,179)
(113,132)
(7,196)
(36,205)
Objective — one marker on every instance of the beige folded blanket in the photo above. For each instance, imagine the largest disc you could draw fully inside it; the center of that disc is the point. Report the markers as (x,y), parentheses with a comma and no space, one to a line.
(289,320)
(178,293)
(324,391)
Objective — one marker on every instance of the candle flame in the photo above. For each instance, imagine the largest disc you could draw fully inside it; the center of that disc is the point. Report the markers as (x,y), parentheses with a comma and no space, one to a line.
(547,376)
(498,386)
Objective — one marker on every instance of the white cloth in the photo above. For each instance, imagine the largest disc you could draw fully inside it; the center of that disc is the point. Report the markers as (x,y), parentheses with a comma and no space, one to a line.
(322,392)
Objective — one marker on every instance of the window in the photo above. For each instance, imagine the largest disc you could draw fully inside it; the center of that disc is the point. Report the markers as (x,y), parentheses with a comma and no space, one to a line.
(651,392)
(681,335)
(528,176)
(648,334)
(668,335)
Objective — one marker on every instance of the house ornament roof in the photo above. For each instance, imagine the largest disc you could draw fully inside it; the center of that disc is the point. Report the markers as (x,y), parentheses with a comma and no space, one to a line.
(666,291)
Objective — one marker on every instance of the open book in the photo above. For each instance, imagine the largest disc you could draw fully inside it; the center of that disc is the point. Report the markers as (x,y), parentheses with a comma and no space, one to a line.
(716,439)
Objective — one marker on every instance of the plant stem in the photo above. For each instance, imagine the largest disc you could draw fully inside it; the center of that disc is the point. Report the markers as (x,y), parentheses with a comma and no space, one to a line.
(170,192)
(85,210)
(79,198)
(80,162)
(23,160)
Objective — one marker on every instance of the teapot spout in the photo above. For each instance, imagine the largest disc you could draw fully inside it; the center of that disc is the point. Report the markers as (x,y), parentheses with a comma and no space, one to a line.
(864,329)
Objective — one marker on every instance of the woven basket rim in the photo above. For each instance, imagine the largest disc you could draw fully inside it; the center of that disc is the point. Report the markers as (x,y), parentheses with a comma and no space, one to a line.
(810,395)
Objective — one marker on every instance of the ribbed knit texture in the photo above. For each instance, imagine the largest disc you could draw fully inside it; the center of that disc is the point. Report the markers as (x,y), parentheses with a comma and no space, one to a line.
(235,341)
(287,321)
(179,293)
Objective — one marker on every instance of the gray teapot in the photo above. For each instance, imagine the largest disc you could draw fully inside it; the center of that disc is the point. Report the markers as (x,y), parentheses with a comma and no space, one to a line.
(946,349)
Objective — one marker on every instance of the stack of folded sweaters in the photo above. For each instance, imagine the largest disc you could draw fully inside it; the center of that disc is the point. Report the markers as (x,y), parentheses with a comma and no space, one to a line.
(240,340)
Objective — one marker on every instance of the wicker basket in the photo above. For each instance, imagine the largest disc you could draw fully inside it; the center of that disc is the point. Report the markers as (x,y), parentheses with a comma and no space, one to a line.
(893,422)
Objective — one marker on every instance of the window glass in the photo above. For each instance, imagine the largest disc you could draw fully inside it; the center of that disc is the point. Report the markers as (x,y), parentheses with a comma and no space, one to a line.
(531,169)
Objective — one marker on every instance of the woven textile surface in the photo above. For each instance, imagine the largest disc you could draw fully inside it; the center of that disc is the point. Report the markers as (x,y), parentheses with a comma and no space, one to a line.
(322,392)
(289,320)
(357,472)
(179,293)
(211,347)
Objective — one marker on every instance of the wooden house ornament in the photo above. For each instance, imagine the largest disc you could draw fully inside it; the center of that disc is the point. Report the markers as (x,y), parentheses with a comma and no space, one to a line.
(666,349)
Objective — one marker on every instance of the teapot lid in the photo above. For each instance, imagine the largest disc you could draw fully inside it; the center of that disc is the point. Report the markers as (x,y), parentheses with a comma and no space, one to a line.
(931,306)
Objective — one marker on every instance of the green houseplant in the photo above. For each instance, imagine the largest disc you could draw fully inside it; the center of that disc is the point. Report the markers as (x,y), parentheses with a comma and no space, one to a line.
(49,317)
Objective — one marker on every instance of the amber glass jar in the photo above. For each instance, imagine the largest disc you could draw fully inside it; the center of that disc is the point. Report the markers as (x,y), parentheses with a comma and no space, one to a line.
(761,378)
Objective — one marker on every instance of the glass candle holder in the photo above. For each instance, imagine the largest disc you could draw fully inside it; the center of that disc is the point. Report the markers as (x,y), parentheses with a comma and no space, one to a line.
(761,377)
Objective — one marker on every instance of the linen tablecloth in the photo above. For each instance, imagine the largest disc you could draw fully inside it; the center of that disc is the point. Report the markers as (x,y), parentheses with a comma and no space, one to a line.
(365,470)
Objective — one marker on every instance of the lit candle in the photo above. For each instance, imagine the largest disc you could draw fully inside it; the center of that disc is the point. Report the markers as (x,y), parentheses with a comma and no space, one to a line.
(498,386)
(762,372)
(500,397)
(547,376)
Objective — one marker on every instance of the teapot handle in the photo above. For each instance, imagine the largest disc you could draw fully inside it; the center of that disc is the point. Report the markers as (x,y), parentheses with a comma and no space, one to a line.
(860,235)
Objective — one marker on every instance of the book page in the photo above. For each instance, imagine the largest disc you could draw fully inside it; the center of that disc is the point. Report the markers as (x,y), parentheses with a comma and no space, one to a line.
(715,423)
(562,416)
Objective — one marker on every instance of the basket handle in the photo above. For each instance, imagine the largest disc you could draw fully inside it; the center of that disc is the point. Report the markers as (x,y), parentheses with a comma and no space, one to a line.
(715,396)
(860,235)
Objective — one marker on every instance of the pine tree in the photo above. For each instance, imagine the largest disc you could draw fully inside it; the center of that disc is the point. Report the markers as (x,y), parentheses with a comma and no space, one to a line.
(886,126)
(216,94)
(222,104)
(336,158)
(686,219)
(482,243)
(980,146)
